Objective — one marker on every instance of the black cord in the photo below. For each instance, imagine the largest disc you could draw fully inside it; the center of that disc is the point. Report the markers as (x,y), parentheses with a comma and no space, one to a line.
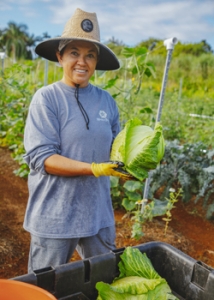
(84,113)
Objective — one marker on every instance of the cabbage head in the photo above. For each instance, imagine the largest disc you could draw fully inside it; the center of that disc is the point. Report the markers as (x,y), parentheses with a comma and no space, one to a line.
(138,280)
(139,147)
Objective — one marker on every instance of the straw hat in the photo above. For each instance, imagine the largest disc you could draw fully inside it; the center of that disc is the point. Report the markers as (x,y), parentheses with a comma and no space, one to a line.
(81,26)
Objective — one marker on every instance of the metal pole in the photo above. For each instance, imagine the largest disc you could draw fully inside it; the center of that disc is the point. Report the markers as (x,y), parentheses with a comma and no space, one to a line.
(169,44)
(2,64)
(180,89)
(162,94)
(2,56)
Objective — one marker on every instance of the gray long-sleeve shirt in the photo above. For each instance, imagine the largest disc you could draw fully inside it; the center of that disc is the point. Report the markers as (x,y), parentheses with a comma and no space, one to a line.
(69,207)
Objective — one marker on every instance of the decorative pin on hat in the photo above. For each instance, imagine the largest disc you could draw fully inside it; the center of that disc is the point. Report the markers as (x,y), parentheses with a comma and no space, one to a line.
(81,26)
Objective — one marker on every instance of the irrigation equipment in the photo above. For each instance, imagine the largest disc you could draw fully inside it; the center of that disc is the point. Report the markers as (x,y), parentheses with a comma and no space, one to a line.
(169,44)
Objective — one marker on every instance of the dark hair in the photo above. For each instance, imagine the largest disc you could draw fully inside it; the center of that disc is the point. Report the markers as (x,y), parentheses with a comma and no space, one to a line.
(62,51)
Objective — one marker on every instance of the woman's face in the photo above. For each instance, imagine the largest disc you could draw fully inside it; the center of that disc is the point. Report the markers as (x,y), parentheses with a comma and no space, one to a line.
(79,60)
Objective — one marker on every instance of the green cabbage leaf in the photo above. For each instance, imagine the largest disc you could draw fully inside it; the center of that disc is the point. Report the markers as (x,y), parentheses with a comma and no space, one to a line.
(139,147)
(137,280)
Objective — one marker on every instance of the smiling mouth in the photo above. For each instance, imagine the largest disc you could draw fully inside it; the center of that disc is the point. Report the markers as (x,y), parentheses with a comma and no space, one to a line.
(80,71)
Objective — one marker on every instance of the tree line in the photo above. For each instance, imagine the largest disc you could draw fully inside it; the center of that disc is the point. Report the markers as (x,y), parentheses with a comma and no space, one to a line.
(17,43)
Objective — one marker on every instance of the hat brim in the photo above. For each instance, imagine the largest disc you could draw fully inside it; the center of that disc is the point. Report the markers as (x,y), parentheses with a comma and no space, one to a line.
(107,58)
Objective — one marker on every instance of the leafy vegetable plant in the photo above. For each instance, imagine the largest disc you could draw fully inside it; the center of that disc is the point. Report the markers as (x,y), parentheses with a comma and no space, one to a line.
(139,147)
(137,280)
(15,96)
(190,166)
(188,169)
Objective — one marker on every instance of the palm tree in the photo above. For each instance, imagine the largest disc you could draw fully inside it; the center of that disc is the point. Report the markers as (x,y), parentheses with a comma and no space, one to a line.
(45,36)
(14,39)
(30,45)
(17,41)
(1,40)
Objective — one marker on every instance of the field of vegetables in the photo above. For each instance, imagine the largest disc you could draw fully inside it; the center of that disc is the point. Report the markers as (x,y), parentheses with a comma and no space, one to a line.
(187,114)
(186,172)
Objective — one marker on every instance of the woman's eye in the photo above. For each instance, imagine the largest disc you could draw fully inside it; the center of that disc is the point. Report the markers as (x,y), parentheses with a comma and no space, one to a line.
(91,55)
(74,53)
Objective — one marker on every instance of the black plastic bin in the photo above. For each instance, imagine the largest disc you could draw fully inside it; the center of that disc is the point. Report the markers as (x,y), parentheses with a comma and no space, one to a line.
(189,279)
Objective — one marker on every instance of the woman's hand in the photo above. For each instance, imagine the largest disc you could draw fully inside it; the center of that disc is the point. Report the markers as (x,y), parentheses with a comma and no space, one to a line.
(111,168)
(63,166)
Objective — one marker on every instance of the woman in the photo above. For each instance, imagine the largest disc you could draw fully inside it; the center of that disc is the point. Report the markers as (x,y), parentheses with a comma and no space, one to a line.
(68,136)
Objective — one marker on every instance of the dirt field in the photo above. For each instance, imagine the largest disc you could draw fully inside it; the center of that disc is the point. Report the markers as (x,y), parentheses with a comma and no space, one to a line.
(188,230)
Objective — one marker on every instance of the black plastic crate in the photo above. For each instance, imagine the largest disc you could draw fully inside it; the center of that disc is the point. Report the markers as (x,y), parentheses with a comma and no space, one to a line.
(189,279)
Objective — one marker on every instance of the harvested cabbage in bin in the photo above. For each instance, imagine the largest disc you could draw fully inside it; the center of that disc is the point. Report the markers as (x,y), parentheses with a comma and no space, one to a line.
(138,280)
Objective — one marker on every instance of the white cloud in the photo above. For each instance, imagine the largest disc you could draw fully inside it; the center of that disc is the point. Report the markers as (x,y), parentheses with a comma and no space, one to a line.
(126,20)
(133,21)
(5,6)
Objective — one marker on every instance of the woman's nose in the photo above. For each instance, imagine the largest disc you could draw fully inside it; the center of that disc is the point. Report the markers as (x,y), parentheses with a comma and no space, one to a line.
(81,59)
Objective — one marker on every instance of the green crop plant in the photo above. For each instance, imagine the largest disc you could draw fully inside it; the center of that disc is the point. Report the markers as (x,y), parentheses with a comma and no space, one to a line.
(15,92)
(189,166)
(125,84)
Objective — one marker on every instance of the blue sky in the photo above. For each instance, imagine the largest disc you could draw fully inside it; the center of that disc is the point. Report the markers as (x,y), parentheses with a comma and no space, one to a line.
(130,21)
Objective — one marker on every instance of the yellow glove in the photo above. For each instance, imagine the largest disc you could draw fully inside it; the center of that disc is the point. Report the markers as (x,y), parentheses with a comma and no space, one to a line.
(111,168)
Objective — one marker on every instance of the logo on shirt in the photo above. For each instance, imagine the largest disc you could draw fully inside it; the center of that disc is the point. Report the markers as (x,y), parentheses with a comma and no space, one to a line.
(103,116)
